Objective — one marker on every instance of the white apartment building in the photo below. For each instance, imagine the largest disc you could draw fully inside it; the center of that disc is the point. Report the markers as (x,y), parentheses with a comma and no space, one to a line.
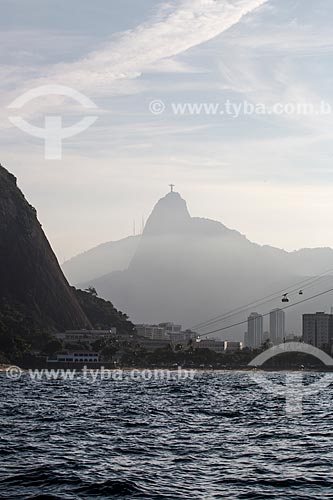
(254,334)
(85,336)
(277,326)
(75,357)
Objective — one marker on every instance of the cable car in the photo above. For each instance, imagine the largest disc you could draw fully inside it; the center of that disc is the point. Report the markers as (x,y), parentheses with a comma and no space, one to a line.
(300,292)
(285,298)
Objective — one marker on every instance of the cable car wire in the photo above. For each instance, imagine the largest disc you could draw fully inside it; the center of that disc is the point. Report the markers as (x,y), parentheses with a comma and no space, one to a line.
(266,314)
(269,298)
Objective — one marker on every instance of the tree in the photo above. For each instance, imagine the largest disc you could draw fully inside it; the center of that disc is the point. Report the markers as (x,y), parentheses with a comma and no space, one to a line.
(109,351)
(53,346)
(101,313)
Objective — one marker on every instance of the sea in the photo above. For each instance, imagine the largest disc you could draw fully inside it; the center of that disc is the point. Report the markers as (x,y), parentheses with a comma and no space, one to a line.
(218,435)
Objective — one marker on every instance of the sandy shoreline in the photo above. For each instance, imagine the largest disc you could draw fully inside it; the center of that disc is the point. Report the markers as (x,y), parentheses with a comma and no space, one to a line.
(3,368)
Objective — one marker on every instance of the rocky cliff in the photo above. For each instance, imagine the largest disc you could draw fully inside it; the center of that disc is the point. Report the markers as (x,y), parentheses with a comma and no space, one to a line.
(31,280)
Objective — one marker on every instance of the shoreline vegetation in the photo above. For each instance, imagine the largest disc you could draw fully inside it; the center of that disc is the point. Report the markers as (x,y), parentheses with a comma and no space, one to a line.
(164,359)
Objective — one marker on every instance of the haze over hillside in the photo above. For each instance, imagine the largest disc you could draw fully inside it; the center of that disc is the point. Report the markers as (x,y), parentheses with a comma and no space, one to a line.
(187,269)
(105,258)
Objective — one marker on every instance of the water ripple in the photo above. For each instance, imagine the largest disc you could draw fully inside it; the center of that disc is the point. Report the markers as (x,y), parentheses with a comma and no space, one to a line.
(218,436)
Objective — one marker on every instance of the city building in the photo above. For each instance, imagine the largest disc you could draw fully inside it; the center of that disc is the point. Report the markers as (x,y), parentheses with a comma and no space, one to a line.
(152,332)
(232,346)
(75,357)
(166,331)
(277,326)
(254,335)
(190,335)
(213,345)
(171,327)
(318,329)
(182,337)
(85,336)
(173,331)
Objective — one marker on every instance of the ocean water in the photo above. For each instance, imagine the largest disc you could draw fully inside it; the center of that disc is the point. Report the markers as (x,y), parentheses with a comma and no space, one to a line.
(217,436)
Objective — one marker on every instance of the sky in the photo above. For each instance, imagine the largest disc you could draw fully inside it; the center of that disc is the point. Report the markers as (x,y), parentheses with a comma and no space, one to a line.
(268,175)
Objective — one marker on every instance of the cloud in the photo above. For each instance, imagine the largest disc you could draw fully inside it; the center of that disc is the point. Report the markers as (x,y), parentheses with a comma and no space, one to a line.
(269,61)
(112,69)
(173,30)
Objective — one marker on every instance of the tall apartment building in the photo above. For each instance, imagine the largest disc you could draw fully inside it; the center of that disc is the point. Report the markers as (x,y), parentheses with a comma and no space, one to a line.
(277,325)
(318,329)
(254,335)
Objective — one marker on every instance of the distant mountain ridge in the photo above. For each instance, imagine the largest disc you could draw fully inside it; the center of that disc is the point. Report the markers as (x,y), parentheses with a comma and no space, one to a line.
(117,255)
(188,268)
(105,258)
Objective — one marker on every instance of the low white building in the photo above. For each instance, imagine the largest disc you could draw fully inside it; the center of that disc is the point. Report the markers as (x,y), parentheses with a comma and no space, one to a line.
(232,346)
(213,345)
(75,357)
(85,336)
(219,345)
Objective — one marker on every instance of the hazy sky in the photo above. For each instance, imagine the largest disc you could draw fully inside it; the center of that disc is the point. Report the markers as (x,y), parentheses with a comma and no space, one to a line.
(269,176)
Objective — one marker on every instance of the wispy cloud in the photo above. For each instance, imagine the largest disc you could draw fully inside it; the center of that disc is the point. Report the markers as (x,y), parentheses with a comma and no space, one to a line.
(173,30)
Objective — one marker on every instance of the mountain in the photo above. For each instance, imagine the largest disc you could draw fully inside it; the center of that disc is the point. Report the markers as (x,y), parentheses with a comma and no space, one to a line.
(117,255)
(188,269)
(105,258)
(34,294)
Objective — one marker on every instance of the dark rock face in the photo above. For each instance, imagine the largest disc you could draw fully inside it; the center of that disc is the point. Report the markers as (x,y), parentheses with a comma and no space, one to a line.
(30,276)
